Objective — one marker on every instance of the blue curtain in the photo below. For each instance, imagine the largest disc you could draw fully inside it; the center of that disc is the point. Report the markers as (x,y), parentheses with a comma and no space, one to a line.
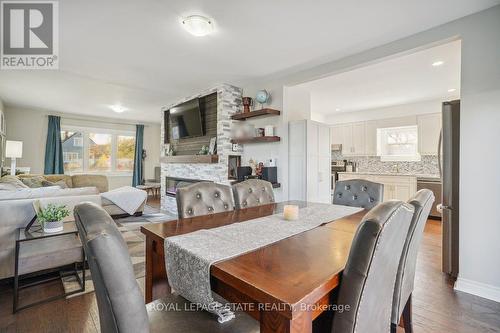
(139,138)
(53,148)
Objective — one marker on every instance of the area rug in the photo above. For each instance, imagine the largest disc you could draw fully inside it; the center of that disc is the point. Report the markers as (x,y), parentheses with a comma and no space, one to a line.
(130,227)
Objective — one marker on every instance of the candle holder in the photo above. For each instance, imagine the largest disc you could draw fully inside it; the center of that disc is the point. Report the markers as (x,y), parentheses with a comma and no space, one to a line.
(291,212)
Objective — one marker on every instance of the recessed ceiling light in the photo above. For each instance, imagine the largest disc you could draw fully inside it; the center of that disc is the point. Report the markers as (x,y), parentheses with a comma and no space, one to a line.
(452,90)
(198,25)
(117,108)
(338,109)
(437,63)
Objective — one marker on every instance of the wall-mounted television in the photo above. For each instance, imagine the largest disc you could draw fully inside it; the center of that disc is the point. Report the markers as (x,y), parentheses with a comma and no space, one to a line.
(186,120)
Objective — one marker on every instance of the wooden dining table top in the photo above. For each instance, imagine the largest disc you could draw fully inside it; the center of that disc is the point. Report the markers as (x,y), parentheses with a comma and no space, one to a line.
(294,272)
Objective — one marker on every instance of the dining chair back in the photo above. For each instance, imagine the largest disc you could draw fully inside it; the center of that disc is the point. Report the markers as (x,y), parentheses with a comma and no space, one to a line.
(358,193)
(203,198)
(422,203)
(367,283)
(253,192)
(119,299)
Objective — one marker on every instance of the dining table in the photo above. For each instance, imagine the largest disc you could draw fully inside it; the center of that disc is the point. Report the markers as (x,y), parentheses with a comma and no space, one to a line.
(285,285)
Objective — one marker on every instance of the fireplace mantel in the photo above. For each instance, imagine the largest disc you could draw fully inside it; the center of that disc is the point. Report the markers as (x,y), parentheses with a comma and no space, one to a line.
(190,159)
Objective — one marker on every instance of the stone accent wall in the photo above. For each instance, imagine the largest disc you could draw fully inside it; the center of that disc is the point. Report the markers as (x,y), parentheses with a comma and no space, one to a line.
(228,103)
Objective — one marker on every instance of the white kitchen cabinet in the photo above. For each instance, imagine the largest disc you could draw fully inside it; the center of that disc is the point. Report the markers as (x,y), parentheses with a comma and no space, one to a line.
(371,138)
(310,161)
(336,135)
(429,127)
(351,136)
(396,187)
(358,138)
(346,132)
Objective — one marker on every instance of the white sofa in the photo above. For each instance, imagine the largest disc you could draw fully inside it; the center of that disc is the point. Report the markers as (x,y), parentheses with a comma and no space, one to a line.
(16,211)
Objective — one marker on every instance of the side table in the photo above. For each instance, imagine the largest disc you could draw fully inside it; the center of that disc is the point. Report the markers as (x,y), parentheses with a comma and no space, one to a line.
(156,187)
(33,253)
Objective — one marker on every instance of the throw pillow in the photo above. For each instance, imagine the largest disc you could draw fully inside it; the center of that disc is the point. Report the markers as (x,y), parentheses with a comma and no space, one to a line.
(13,180)
(61,183)
(33,182)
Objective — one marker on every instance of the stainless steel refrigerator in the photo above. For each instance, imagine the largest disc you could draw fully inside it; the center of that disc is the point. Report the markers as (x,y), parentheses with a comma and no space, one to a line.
(448,151)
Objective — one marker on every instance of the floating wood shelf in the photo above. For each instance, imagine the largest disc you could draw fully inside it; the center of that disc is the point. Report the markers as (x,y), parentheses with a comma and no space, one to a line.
(257,113)
(256,139)
(190,159)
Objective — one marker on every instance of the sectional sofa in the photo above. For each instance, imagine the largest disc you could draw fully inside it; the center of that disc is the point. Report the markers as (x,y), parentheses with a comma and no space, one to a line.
(16,207)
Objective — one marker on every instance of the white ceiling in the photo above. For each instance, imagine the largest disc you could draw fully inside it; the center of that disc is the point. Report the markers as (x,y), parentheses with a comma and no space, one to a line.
(136,53)
(403,80)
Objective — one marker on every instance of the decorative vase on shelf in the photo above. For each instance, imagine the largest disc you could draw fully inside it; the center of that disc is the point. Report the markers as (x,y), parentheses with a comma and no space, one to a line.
(247,103)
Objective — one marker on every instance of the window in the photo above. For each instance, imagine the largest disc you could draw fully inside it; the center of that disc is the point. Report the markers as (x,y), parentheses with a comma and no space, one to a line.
(78,141)
(398,143)
(97,150)
(125,153)
(72,153)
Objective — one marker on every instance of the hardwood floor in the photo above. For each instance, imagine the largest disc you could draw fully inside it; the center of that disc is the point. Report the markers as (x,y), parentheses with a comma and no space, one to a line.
(436,306)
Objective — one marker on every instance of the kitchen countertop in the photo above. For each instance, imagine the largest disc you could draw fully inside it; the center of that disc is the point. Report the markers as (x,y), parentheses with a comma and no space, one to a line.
(418,176)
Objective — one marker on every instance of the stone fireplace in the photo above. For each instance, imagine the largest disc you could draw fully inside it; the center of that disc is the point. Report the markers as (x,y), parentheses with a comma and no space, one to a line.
(228,103)
(173,183)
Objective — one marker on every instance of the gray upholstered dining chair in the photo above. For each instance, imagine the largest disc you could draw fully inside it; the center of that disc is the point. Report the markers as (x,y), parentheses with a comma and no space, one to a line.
(358,193)
(422,202)
(367,283)
(119,298)
(203,198)
(253,192)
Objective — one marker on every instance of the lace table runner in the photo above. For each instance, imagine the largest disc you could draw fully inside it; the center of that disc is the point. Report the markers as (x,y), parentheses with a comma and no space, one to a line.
(188,257)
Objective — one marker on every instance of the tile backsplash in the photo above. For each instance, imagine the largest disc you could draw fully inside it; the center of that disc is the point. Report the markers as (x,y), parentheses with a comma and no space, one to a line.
(427,166)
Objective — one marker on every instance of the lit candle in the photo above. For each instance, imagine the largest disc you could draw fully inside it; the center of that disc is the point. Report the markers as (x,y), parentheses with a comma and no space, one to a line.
(291,212)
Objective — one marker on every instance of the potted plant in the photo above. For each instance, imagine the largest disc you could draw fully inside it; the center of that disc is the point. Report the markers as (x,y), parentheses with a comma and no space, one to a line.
(51,217)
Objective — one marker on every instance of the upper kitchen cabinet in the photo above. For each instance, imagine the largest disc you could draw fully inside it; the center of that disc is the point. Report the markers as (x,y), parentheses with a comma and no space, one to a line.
(360,138)
(336,135)
(351,137)
(429,127)
(371,137)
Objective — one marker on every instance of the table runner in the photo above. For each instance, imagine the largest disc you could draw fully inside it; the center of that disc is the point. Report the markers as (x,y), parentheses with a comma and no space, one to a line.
(188,257)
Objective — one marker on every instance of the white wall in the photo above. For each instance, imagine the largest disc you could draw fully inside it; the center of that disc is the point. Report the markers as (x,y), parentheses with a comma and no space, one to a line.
(396,111)
(480,123)
(30,126)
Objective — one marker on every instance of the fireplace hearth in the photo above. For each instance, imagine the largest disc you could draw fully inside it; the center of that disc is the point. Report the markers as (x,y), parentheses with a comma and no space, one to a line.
(173,183)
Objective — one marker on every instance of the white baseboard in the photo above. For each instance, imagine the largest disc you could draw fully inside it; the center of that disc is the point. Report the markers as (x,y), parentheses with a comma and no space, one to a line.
(479,289)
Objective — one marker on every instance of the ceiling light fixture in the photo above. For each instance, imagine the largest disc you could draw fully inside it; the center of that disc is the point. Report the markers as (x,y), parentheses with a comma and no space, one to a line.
(337,109)
(452,90)
(198,25)
(437,63)
(117,108)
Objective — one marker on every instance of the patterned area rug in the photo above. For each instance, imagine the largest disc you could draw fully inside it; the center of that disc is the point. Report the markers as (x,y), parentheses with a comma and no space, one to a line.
(130,227)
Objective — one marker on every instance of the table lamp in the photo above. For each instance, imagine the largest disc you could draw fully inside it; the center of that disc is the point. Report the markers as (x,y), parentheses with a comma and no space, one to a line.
(13,150)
